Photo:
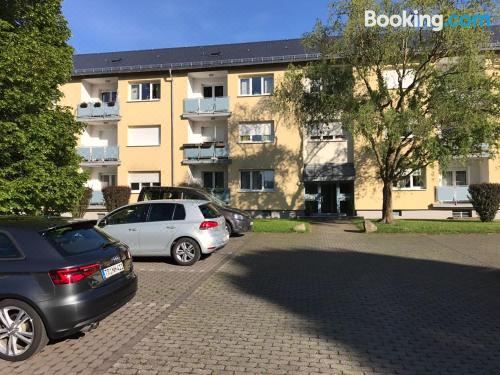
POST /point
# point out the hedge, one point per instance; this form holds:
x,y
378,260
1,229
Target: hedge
x,y
485,199
116,196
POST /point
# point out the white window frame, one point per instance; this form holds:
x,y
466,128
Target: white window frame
x,y
150,83
213,86
129,138
334,134
110,92
262,171
250,79
454,176
423,176
212,173
133,179
251,140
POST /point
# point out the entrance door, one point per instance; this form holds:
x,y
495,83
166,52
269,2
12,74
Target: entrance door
x,y
329,198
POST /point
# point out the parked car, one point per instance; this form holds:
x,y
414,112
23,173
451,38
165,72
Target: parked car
x,y
59,277
183,229
237,221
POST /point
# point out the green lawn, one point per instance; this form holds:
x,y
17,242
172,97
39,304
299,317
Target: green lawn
x,y
435,226
277,225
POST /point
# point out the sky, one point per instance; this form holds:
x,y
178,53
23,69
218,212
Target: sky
x,y
117,25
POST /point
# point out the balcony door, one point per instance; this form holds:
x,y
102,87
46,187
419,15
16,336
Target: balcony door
x,y
457,177
215,91
107,180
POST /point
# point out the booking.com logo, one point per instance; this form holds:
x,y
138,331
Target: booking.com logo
x,y
434,21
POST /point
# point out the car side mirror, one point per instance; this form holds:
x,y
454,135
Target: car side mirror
x,y
102,223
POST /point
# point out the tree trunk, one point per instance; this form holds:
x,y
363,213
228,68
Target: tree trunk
x,y
387,214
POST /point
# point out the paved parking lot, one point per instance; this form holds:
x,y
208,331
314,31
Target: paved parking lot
x,y
332,301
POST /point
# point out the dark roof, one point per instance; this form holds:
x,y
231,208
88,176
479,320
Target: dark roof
x,y
181,58
38,223
205,57
329,172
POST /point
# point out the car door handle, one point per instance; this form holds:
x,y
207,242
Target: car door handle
x,y
132,229
169,227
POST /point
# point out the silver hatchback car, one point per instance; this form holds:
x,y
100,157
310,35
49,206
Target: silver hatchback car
x,y
183,229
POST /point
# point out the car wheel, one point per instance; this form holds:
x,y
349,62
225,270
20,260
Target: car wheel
x,y
186,252
229,228
22,332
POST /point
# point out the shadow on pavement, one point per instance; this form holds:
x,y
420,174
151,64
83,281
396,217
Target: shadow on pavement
x,y
397,314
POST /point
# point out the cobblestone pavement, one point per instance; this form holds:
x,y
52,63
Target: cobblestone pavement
x,y
332,301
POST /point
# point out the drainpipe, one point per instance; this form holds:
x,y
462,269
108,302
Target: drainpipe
x,y
171,128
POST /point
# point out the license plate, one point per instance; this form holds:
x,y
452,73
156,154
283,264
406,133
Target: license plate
x,y
112,270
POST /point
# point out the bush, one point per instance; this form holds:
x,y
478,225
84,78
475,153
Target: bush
x,y
485,199
82,205
116,196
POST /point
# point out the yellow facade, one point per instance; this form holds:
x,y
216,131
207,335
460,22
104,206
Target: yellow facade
x,y
286,155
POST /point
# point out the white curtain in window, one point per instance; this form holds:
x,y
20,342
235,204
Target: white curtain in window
x,y
245,86
264,128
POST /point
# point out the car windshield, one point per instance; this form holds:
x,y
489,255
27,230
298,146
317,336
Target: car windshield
x,y
216,199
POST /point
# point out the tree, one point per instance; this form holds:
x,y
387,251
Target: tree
x,y
443,103
39,167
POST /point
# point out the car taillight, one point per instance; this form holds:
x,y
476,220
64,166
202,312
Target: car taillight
x,y
73,274
207,224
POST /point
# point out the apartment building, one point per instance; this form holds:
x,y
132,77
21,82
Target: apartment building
x,y
201,115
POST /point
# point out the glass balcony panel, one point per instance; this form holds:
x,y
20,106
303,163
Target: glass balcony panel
x,y
206,105
107,109
452,193
99,154
97,198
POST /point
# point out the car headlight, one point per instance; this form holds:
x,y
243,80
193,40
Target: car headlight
x,y
239,217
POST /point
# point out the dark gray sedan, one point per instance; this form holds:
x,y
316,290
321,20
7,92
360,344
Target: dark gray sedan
x,y
57,277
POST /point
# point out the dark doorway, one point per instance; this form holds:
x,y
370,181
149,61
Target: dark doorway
x,y
328,198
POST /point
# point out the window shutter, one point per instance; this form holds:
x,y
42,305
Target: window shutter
x,y
144,136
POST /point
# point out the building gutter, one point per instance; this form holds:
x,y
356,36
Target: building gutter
x,y
171,128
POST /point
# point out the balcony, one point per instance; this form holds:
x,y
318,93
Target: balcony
x,y
195,108
98,111
97,156
452,193
206,153
97,199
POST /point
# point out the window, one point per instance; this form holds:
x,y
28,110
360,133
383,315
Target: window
x,y
107,180
144,136
325,132
391,78
209,211
416,180
454,178
138,180
108,96
257,180
77,240
256,132
161,212
164,193
129,215
262,85
7,248
145,91
213,180
213,91
180,212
